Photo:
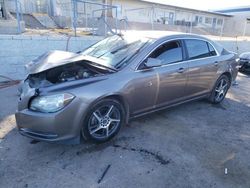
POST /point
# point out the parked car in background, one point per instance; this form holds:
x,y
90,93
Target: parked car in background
x,y
91,94
245,62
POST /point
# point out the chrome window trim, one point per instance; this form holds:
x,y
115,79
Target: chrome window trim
x,y
188,38
162,66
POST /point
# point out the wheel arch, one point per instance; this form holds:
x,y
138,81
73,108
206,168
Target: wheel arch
x,y
229,75
120,99
123,102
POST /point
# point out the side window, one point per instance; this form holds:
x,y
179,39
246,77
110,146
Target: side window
x,y
197,48
169,52
211,50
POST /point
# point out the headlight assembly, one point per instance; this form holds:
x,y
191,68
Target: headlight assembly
x,y
51,103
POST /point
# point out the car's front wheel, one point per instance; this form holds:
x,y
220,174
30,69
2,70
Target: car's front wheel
x,y
220,89
103,121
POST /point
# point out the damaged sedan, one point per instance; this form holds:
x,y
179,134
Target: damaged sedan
x,y
91,94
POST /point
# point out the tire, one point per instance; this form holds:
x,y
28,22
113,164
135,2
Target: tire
x,y
103,121
220,90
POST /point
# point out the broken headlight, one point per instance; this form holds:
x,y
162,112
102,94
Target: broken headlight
x,y
51,103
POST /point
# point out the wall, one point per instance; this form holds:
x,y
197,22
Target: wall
x,y
11,27
16,51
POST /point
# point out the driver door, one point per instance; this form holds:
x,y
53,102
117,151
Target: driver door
x,y
172,74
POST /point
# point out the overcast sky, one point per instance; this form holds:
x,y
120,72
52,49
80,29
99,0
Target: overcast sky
x,y
206,4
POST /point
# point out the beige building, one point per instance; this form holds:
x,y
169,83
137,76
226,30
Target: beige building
x,y
138,13
240,20
147,12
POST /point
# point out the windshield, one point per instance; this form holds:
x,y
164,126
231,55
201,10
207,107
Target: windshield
x,y
116,51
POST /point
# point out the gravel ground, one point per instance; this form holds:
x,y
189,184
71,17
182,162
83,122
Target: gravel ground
x,y
193,145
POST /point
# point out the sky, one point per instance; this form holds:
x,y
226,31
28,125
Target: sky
x,y
206,4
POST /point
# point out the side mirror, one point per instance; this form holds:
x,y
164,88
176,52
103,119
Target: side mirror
x,y
152,62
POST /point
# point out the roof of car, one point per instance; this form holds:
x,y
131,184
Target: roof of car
x,y
158,34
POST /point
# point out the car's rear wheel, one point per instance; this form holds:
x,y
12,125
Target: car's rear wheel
x,y
103,120
220,90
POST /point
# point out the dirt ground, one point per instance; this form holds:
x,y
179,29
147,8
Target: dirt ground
x,y
193,145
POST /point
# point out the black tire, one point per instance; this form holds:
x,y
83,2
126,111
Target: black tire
x,y
220,89
99,121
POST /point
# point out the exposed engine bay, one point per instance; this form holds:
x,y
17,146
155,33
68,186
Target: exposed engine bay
x,y
64,73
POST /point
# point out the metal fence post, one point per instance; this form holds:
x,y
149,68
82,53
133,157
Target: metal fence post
x,y
18,17
116,17
222,27
105,18
86,17
152,18
74,15
245,27
191,23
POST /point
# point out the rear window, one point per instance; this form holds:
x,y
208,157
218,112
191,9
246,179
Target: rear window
x,y
211,49
199,49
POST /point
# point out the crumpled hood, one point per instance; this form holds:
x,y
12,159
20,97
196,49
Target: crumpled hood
x,y
57,58
245,55
49,60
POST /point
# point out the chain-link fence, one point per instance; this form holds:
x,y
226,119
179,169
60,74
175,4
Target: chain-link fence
x,y
156,18
102,17
81,16
96,18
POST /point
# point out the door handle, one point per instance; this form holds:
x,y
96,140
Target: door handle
x,y
216,63
181,70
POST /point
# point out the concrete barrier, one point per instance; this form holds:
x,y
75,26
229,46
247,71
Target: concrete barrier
x,y
17,50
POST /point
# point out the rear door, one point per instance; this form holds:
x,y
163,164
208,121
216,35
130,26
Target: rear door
x,y
203,66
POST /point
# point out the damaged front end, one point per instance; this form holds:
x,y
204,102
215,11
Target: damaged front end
x,y
47,102
59,67
64,73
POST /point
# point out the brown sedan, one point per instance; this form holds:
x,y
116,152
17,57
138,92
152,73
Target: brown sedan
x,y
93,93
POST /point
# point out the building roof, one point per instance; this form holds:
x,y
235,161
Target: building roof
x,y
234,9
188,9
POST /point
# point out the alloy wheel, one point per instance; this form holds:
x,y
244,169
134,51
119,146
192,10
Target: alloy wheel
x,y
104,121
221,90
